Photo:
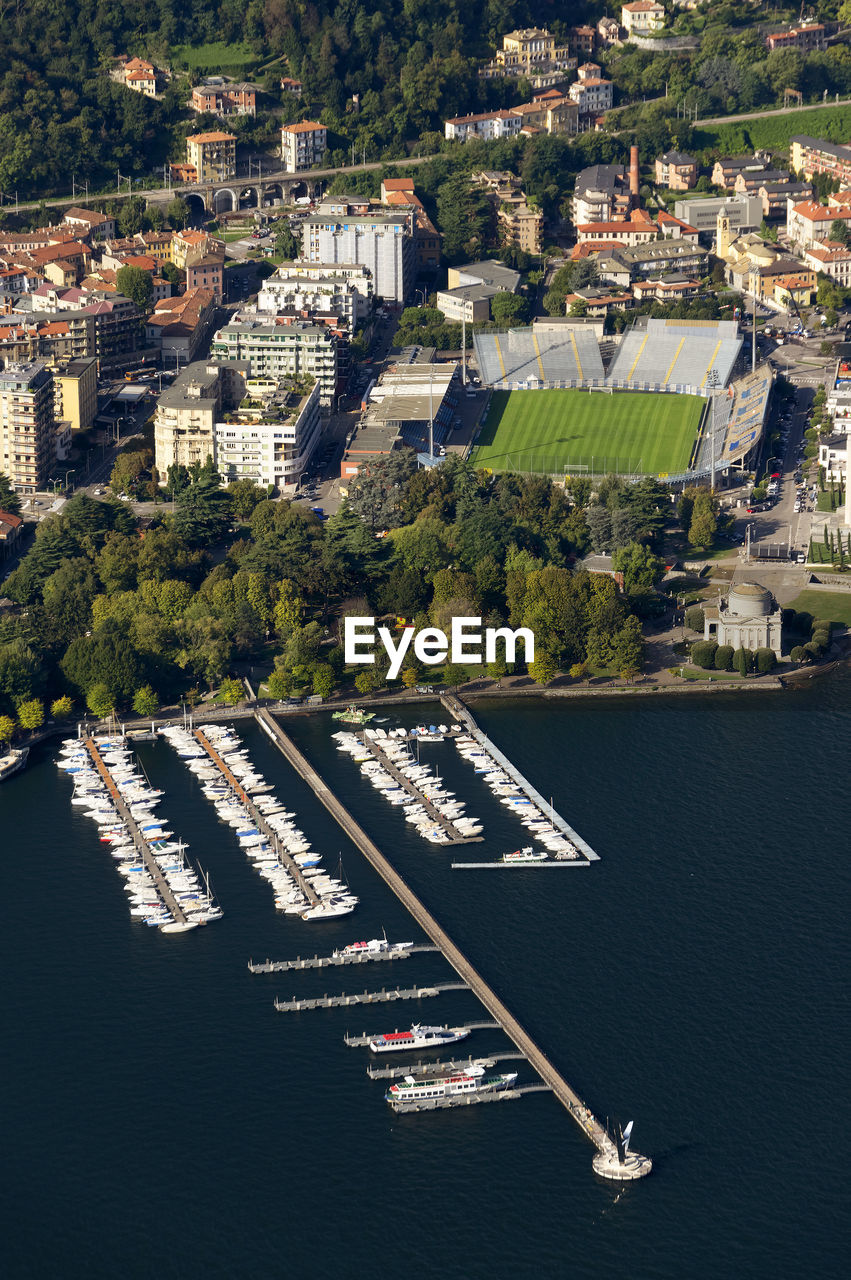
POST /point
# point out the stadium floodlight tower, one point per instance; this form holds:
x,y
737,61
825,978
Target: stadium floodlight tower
x,y
711,389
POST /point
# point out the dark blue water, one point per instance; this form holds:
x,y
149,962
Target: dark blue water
x,y
162,1119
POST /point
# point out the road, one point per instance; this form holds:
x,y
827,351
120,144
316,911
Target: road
x,y
779,111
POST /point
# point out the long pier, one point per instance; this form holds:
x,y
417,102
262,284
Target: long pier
x,y
460,713
139,841
483,866
368,997
607,1163
338,958
454,834
257,818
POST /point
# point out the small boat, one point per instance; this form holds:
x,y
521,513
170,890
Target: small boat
x,y
376,946
528,854
418,1037
354,715
13,761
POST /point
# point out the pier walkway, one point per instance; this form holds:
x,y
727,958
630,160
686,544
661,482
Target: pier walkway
x,y
368,997
257,818
140,843
455,836
460,713
338,958
607,1162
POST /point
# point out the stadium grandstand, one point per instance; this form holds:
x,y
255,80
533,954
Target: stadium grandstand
x,y
540,356
739,417
675,355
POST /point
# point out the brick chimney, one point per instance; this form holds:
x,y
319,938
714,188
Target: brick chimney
x,y
633,174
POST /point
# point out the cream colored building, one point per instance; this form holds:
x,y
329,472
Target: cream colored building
x,y
76,392
522,227
27,425
747,619
187,412
642,17
526,50
303,145
212,155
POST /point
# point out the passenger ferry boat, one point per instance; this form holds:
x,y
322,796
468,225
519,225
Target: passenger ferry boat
x,y
417,1038
412,1093
525,855
376,946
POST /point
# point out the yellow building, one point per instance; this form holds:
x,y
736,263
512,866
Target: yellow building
x,y
212,155
521,227
526,50
76,393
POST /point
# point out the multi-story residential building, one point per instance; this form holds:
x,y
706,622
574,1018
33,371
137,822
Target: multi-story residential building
x,y
141,76
810,35
521,226
832,259
470,302
220,97
486,125
623,265
591,95
27,425
552,113
212,155
581,40
750,180
601,194
809,156
11,529
808,223
271,435
281,351
676,171
775,196
76,392
66,336
728,168
294,87
608,31
187,412
177,326
670,288
190,246
118,328
744,212
334,292
381,241
207,273
90,224
356,275
642,17
303,145
490,272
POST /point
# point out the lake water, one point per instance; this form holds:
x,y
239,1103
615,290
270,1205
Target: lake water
x,y
162,1119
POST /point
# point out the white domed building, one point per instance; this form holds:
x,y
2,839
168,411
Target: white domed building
x,y
747,619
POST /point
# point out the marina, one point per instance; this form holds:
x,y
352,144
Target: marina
x,y
164,891
393,951
432,1068
368,997
611,1161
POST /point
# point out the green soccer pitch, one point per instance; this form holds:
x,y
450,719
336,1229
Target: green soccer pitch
x,y
577,431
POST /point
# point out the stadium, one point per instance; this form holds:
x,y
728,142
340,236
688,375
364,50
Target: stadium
x,y
662,400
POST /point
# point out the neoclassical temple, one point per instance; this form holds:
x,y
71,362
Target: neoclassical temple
x,y
747,619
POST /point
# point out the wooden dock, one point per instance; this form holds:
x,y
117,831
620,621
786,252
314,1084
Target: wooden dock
x,y
361,1041
368,997
338,958
454,834
608,1153
257,818
140,843
469,1099
441,1068
484,866
460,713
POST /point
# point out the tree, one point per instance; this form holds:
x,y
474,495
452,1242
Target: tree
x,y
61,708
9,500
543,668
694,618
136,284
798,655
838,231
410,677
765,660
578,670
100,701
703,653
742,661
145,702
178,212
628,648
508,308
286,245
245,495
454,674
203,511
704,523
174,275
7,728
365,681
31,714
231,691
278,685
324,680
724,657
497,670
640,568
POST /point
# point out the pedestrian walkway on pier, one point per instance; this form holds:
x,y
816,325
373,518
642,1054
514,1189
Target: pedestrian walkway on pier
x,y
455,836
338,958
368,997
608,1162
463,716
140,843
257,818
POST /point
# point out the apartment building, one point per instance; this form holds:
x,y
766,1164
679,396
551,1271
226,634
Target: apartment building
x,y
76,392
601,194
27,425
591,95
89,224
281,350
727,169
808,223
486,125
832,259
212,155
676,171
808,36
187,412
220,97
271,435
744,212
345,232
333,292
140,76
303,145
177,326
521,226
809,156
775,196
642,17
531,49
